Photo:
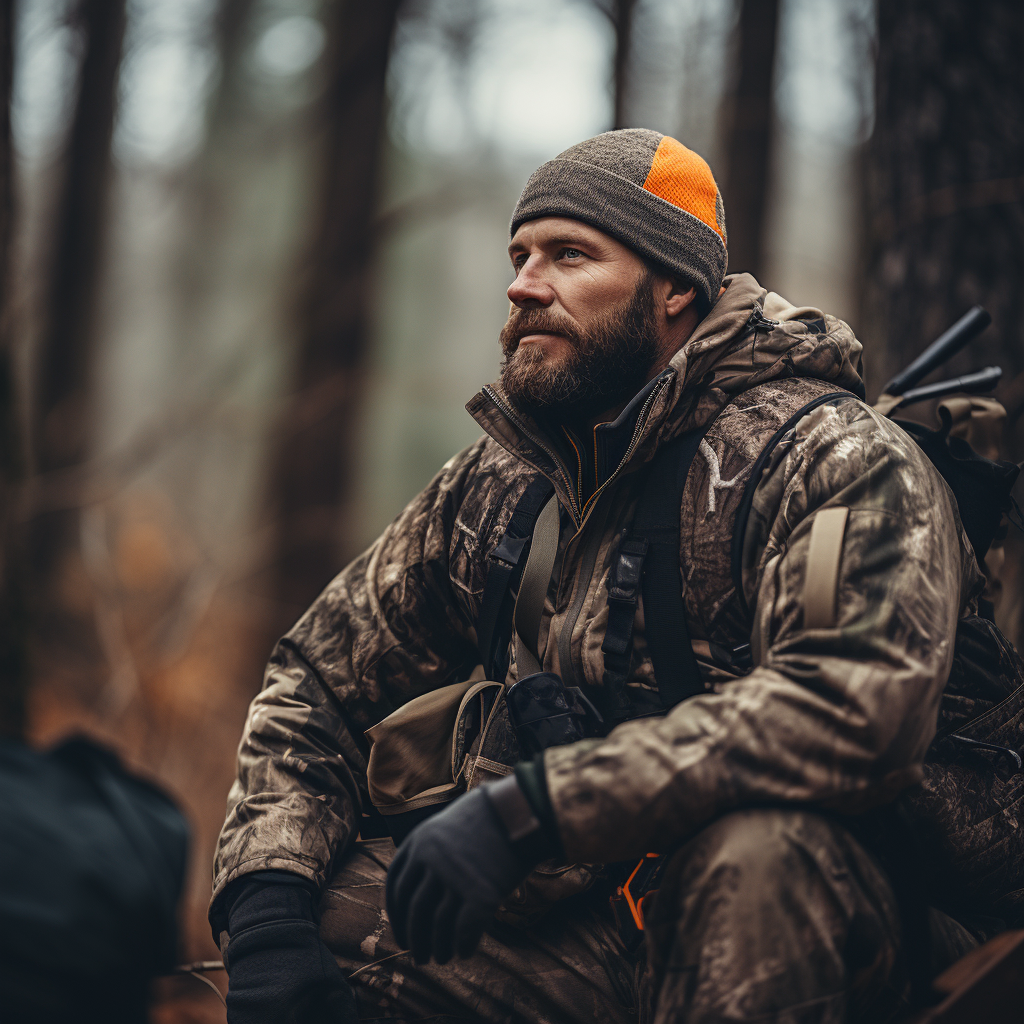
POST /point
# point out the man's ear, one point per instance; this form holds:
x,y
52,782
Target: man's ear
x,y
679,296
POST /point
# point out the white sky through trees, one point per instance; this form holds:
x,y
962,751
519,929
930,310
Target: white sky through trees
x,y
480,91
533,79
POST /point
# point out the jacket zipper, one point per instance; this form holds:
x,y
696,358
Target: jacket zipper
x,y
641,422
509,414
589,559
590,556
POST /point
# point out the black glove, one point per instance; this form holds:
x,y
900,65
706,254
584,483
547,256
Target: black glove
x,y
279,972
454,869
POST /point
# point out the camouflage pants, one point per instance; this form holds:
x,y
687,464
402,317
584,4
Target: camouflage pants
x,y
766,915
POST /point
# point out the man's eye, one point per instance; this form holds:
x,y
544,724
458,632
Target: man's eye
x,y
571,253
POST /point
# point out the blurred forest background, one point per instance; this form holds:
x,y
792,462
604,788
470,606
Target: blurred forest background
x,y
252,265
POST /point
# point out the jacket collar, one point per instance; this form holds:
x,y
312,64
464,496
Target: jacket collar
x,y
749,337
595,455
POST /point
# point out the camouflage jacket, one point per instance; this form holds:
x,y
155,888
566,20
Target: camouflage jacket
x,y
837,717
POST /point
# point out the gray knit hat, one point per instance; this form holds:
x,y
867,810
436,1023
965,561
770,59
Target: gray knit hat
x,y
643,188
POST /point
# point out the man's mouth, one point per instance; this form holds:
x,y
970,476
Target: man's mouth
x,y
535,336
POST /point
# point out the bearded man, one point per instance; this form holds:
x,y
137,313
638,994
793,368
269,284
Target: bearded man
x,y
819,673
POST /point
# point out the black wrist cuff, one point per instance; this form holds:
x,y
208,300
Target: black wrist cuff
x,y
533,781
263,895
526,834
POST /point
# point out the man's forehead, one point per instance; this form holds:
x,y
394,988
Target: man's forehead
x,y
549,229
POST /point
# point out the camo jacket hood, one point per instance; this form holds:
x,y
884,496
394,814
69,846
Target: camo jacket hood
x,y
838,717
749,338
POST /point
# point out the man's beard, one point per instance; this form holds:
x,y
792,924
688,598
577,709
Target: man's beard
x,y
607,364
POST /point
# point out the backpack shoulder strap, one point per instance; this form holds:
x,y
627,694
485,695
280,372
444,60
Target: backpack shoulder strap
x,y
648,562
504,568
657,522
533,589
746,501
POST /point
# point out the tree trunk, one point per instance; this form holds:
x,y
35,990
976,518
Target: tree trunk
x,y
622,14
311,475
946,180
232,23
945,193
750,129
13,672
66,635
65,355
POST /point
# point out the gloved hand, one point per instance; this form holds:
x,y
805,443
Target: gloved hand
x,y
279,972
454,869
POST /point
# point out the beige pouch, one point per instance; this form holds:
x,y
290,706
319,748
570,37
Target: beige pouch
x,y
444,742
432,749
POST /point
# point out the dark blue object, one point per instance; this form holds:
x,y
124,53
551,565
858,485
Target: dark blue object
x,y
92,861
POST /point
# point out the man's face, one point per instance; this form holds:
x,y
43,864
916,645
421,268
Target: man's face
x,y
582,335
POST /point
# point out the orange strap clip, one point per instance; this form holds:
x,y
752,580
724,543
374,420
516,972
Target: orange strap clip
x,y
636,906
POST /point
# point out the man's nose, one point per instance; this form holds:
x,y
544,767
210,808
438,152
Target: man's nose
x,y
531,289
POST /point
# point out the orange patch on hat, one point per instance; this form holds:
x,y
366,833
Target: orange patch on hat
x,y
682,178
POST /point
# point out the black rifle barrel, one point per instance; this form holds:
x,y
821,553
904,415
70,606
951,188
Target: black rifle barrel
x,y
945,346
973,383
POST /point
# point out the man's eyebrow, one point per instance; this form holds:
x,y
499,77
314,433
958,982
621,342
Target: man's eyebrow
x,y
570,241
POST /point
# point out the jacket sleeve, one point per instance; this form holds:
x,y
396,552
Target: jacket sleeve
x,y
836,717
389,627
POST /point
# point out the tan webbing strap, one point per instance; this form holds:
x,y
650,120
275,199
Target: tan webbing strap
x,y
887,403
822,575
540,562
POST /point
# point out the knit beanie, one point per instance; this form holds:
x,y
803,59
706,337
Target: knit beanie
x,y
645,189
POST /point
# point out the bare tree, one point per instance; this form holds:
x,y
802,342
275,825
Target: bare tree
x,y
212,179
231,25
945,195
62,415
13,672
65,353
311,474
750,128
621,17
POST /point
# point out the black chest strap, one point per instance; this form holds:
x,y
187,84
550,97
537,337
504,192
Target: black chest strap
x,y
649,562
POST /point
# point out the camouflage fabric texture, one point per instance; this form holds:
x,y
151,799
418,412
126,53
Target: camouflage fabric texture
x,y
727,940
838,718
571,967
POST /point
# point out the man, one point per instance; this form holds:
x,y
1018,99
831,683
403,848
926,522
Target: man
x,y
776,903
